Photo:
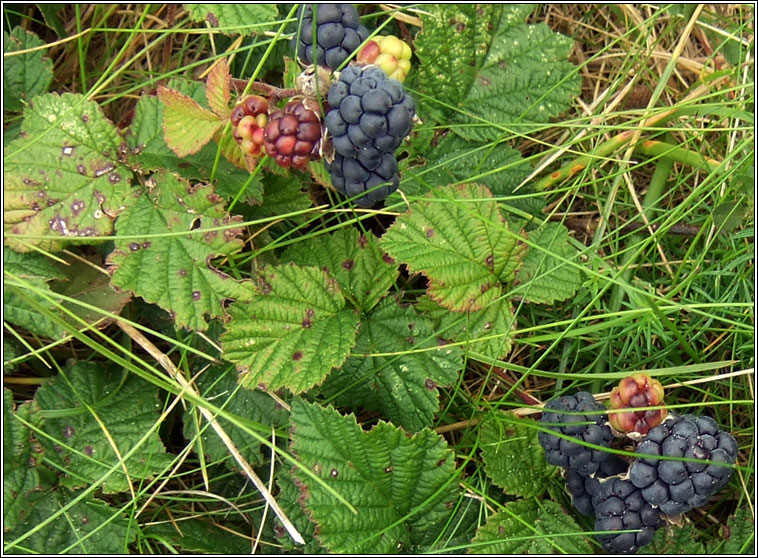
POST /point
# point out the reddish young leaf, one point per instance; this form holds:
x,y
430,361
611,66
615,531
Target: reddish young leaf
x,y
187,126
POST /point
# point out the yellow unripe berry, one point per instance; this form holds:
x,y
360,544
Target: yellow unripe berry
x,y
387,63
389,53
391,45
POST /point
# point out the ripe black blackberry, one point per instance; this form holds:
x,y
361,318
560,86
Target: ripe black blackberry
x,y
351,178
369,114
338,33
586,421
675,486
584,488
619,506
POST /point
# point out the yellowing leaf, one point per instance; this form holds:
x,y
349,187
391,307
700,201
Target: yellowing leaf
x,y
187,126
217,89
63,182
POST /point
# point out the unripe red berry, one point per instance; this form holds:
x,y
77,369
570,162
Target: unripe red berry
x,y
293,135
638,390
248,119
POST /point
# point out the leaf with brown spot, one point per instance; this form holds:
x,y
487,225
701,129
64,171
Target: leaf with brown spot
x,y
45,194
470,248
176,271
276,348
488,331
353,259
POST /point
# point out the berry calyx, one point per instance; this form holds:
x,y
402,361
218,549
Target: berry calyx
x,y
638,390
293,135
248,119
391,54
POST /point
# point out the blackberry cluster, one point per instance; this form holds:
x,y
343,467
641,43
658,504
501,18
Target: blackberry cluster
x,y
637,496
585,421
368,118
675,486
619,506
292,135
338,33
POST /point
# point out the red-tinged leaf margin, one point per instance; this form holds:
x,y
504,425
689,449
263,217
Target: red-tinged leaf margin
x,y
187,126
217,89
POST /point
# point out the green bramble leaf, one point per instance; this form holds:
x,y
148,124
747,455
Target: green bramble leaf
x,y
452,46
31,264
77,280
527,527
455,160
22,456
401,387
513,457
148,152
738,534
354,259
230,19
289,499
457,237
24,75
217,89
187,126
683,540
88,285
400,485
199,536
34,270
293,332
62,177
89,409
89,526
502,76
252,407
488,331
175,271
544,276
